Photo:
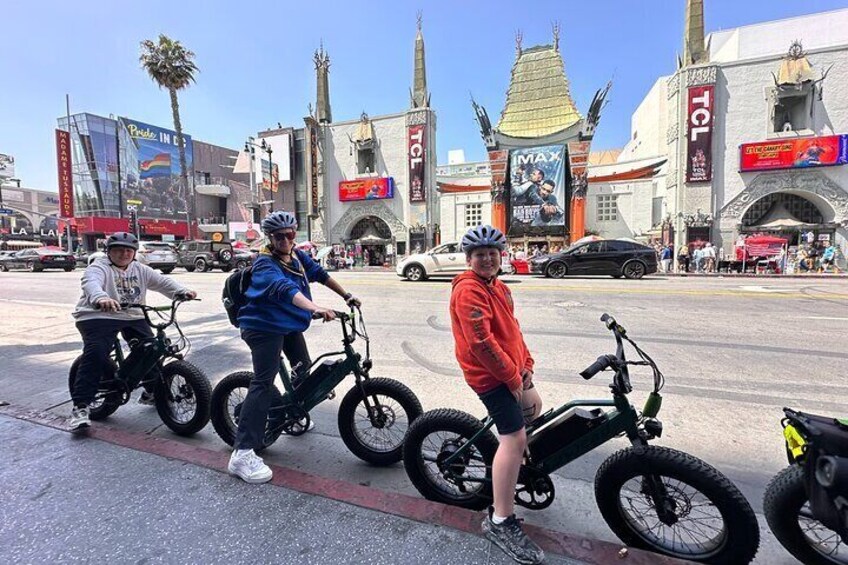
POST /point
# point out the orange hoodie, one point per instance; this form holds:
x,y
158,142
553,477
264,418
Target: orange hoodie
x,y
489,345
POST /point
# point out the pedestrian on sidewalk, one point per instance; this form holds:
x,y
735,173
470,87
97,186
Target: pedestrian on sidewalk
x,y
709,258
497,365
828,259
108,283
665,259
683,258
279,309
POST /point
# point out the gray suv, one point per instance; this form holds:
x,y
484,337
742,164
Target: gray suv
x,y
205,255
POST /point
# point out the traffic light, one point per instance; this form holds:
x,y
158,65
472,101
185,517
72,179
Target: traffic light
x,y
133,217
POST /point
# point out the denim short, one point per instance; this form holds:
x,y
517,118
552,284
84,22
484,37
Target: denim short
x,y
504,409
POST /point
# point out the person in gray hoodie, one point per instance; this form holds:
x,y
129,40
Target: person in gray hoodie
x,y
106,284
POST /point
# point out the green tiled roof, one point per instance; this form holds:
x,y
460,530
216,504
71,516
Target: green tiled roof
x,y
538,102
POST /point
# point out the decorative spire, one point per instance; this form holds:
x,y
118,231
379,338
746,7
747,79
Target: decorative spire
x,y
322,71
693,38
518,38
556,30
420,96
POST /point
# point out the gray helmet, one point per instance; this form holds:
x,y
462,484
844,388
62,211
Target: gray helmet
x,y
278,220
122,239
483,236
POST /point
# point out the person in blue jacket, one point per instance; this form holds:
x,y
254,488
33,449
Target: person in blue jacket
x,y
279,309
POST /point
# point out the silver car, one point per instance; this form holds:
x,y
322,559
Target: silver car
x,y
157,255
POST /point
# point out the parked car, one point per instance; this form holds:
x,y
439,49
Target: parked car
x,y
205,255
243,258
39,259
613,257
157,255
444,260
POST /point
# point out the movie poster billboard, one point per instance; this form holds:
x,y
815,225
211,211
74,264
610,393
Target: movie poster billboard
x,y
417,144
794,153
537,187
578,163
699,162
366,189
155,179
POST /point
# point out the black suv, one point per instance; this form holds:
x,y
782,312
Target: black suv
x,y
205,255
612,257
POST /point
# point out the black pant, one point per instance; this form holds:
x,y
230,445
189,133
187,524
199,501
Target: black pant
x,y
265,349
98,336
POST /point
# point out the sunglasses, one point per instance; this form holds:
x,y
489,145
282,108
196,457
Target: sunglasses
x,y
288,235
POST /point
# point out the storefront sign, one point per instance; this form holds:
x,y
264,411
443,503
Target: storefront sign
x,y
244,231
417,155
794,153
537,189
66,184
367,189
699,162
313,166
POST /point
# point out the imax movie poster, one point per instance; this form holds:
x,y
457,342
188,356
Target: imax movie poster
x,y
154,179
537,187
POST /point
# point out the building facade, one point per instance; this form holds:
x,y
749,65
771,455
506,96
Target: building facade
x,y
370,182
747,136
33,220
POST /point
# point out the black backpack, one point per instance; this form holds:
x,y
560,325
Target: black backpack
x,y
233,296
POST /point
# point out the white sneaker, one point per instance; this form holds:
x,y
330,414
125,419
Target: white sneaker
x,y
249,467
79,418
308,429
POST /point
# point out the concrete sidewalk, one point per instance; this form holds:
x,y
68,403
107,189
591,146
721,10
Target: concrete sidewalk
x,y
136,498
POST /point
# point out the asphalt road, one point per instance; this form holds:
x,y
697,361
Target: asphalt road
x,y
734,351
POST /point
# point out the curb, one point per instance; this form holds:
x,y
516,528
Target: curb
x,y
572,546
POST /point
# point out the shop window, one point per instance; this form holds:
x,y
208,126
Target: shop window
x,y
607,208
791,109
473,215
365,161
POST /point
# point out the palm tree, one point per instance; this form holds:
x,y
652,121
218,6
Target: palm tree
x,y
172,66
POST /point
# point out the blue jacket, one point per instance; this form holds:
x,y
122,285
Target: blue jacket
x,y
269,305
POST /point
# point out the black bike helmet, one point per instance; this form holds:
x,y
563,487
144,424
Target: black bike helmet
x,y
278,220
483,236
122,239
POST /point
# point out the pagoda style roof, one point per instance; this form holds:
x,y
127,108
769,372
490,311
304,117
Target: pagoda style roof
x,y
538,102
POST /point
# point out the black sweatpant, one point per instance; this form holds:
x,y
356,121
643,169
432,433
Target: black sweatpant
x,y
265,350
98,336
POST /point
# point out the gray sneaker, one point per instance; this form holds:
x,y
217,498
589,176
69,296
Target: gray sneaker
x,y
509,536
79,418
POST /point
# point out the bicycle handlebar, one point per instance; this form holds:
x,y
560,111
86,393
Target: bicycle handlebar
x,y
601,364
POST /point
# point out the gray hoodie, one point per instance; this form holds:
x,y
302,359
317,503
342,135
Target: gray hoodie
x,y
102,280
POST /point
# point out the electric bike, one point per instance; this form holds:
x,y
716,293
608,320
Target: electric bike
x,y
653,498
373,416
181,391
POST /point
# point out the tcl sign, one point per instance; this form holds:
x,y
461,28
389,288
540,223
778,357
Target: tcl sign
x,y
699,162
417,150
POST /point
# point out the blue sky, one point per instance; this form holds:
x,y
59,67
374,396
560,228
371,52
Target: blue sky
x,y
256,68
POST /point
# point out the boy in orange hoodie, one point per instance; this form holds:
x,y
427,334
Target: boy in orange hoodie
x,y
498,367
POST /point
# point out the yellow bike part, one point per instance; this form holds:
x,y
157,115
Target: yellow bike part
x,y
795,442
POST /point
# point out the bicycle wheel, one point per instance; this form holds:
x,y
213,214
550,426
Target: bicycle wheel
x,y
434,437
227,399
787,509
105,403
713,523
182,398
397,407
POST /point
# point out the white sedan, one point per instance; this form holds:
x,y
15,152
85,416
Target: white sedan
x,y
444,260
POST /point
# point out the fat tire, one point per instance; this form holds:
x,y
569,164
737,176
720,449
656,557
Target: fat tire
x,y
105,409
201,389
742,531
221,422
784,497
454,421
395,390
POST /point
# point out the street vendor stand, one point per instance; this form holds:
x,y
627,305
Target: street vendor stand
x,y
762,252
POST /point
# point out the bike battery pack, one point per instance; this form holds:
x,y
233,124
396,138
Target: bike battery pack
x,y
317,378
557,434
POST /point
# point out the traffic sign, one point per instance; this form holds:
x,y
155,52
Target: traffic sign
x,y
6,211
